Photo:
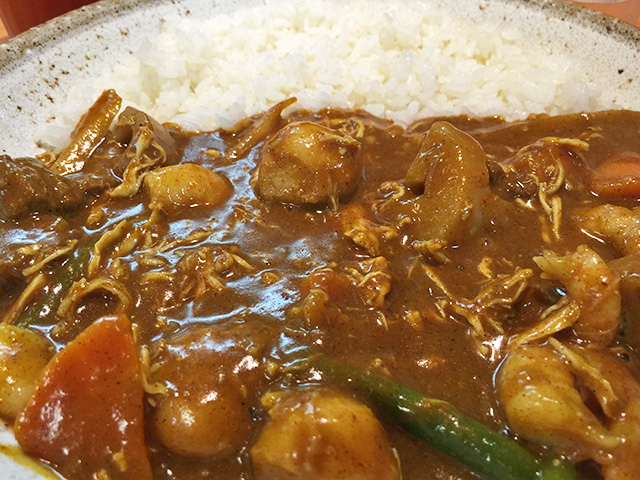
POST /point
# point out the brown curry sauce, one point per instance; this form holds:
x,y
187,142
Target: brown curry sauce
x,y
271,257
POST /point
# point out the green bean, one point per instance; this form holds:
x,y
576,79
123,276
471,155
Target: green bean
x,y
44,310
557,468
482,450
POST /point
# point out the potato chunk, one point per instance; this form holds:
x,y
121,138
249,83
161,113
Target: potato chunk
x,y
184,186
206,410
306,163
322,435
23,356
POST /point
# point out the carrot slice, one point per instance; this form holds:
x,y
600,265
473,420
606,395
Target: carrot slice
x,y
618,177
86,416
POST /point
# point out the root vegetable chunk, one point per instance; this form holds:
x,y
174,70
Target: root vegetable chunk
x,y
86,415
618,177
206,411
451,173
185,186
322,435
23,357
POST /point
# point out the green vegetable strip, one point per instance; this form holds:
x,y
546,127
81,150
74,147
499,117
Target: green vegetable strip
x,y
440,424
557,468
43,311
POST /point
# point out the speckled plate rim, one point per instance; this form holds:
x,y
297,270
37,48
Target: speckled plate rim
x,y
108,9
38,68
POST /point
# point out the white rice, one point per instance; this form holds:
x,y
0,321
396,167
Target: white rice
x,y
401,60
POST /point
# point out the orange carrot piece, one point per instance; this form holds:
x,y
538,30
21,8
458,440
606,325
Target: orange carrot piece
x,y
618,177
86,416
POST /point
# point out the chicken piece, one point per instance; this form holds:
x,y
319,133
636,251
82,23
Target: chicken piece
x,y
135,144
545,392
617,224
536,388
364,232
509,183
324,291
546,163
209,377
321,435
628,268
624,416
306,163
27,187
561,315
593,286
23,357
132,122
451,172
181,187
338,287
540,170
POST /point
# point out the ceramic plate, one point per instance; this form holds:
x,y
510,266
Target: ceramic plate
x,y
40,67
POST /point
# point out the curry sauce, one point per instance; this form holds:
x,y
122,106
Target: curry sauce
x,y
491,265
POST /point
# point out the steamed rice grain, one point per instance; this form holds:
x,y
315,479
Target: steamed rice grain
x,y
399,60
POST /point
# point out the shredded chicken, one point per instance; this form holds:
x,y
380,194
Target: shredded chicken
x,y
351,127
107,239
488,307
432,249
373,280
22,301
196,273
542,163
593,285
140,163
492,302
556,318
71,244
201,272
391,192
414,318
193,238
152,388
83,287
364,232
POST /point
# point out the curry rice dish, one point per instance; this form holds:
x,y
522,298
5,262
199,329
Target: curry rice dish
x,y
325,295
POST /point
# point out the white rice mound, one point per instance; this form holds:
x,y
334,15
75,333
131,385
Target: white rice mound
x,y
400,60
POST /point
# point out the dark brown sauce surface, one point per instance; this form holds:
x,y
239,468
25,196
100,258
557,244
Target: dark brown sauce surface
x,y
291,250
